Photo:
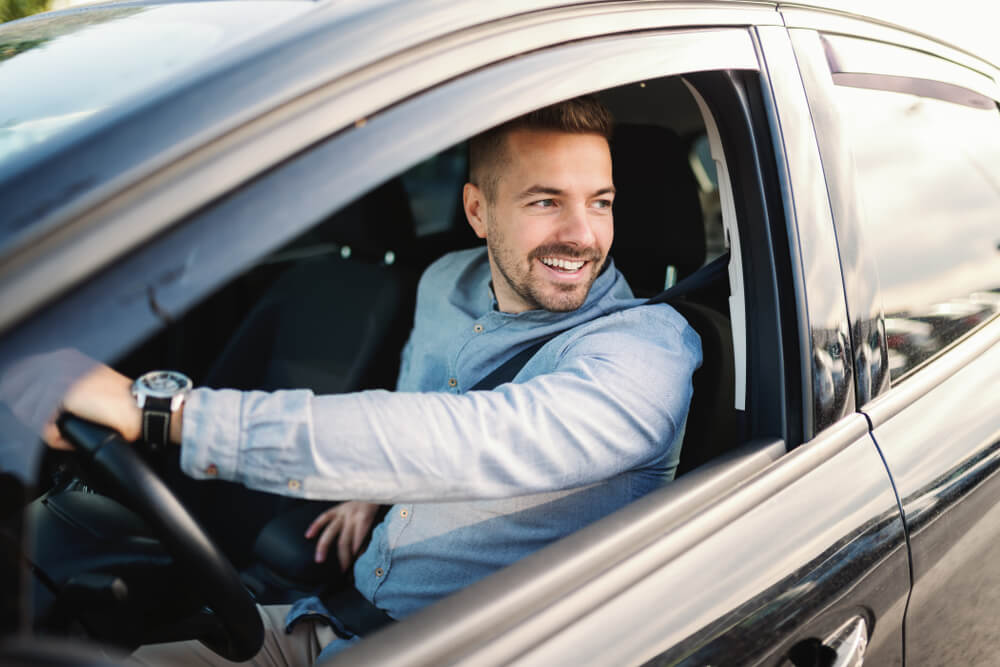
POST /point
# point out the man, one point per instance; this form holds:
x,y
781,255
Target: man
x,y
478,478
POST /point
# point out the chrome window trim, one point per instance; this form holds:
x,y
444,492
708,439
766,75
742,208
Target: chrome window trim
x,y
926,377
833,22
853,55
135,207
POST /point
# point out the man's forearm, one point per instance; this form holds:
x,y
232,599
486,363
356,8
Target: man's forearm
x,y
556,431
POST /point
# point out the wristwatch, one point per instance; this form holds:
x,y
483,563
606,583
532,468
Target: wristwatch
x,y
159,394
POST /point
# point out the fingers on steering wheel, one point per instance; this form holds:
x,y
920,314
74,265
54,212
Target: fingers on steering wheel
x,y
52,436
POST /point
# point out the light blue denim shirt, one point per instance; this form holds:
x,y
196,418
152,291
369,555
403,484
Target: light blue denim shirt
x,y
477,479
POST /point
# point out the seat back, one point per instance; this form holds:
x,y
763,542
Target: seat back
x,y
658,217
336,322
658,224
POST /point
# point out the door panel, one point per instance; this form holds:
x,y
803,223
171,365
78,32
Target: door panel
x,y
943,448
810,547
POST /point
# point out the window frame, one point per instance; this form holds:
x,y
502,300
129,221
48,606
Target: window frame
x,y
155,284
815,50
163,279
128,183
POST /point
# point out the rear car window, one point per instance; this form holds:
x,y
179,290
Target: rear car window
x,y
928,180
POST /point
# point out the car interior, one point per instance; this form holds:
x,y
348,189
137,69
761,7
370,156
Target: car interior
x,y
331,311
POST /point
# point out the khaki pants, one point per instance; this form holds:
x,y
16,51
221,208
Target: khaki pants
x,y
298,649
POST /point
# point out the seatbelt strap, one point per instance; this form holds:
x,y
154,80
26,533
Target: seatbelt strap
x,y
700,279
355,612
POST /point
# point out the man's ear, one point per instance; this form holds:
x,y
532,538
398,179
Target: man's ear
x,y
475,209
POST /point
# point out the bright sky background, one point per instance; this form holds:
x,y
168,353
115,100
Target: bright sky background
x,y
974,24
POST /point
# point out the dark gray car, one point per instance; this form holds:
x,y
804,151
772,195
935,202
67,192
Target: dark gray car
x,y
180,181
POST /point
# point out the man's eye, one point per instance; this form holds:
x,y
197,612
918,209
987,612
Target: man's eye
x,y
602,203
544,203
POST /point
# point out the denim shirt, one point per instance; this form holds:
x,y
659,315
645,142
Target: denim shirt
x,y
477,479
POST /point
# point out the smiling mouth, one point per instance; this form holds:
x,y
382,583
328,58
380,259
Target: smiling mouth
x,y
563,265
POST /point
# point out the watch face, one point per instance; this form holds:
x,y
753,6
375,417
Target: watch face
x,y
164,383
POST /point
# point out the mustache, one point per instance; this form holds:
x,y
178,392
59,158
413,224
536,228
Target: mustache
x,y
565,251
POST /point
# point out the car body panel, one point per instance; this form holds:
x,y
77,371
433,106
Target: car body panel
x,y
114,189
771,548
828,388
870,354
693,566
940,434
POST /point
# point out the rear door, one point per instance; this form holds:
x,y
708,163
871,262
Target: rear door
x,y
914,142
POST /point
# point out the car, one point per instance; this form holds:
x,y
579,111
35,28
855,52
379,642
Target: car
x,y
181,182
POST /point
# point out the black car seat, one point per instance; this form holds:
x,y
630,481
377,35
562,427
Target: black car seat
x,y
336,322
333,322
659,224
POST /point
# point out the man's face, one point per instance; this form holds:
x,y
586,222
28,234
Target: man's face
x,y
550,227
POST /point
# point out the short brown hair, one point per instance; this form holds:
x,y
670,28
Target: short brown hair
x,y
488,150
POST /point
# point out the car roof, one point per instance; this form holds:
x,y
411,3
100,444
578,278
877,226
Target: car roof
x,y
98,61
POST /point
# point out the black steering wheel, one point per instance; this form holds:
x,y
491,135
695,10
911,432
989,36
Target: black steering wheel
x,y
112,461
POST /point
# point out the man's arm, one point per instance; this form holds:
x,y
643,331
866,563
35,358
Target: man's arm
x,y
614,402
103,395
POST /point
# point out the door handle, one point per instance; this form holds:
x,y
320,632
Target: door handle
x,y
844,647
849,642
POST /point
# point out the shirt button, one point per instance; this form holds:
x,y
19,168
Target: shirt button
x,y
294,484
379,572
404,513
211,469
478,328
452,382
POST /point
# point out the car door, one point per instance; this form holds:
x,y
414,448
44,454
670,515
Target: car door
x,y
788,547
919,137
764,556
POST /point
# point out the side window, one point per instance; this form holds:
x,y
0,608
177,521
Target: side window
x,y
926,155
434,188
704,170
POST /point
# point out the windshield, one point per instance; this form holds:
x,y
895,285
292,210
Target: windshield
x,y
59,71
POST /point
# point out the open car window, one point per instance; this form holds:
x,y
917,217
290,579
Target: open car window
x,y
306,278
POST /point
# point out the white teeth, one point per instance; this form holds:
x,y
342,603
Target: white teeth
x,y
563,264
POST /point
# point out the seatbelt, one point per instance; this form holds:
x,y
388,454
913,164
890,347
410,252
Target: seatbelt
x,y
354,610
698,280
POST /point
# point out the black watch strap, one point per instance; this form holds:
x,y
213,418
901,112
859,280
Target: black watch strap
x,y
156,422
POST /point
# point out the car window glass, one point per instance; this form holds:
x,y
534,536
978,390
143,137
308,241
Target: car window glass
x,y
704,169
927,178
434,187
80,66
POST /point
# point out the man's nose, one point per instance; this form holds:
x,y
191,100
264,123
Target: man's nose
x,y
576,227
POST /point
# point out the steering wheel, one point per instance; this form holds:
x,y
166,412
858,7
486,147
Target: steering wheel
x,y
112,461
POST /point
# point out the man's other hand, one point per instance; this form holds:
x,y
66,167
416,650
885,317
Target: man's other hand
x,y
349,522
103,396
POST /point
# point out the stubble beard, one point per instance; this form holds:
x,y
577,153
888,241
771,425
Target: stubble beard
x,y
532,287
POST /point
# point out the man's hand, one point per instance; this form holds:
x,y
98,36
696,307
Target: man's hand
x,y
351,521
103,396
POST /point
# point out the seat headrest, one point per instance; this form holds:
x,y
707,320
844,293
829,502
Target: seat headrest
x,y
657,211
381,220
